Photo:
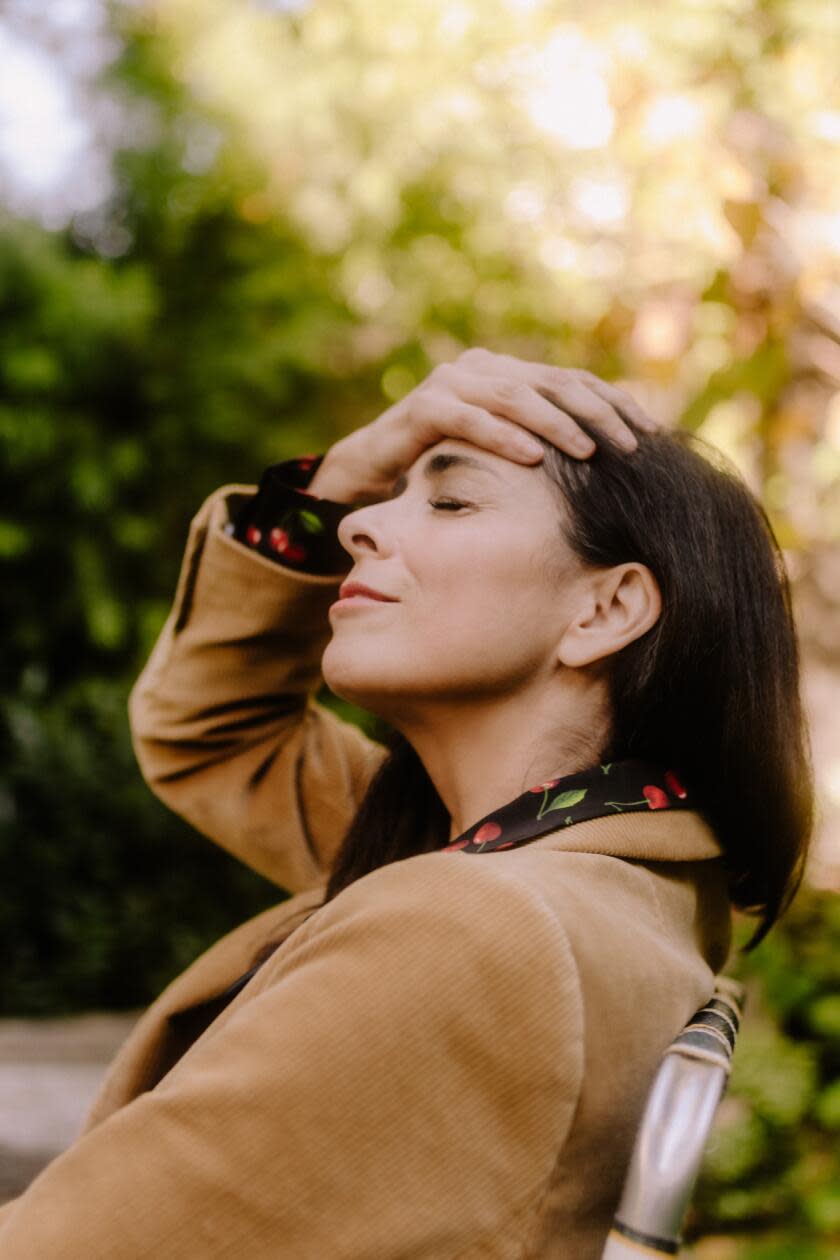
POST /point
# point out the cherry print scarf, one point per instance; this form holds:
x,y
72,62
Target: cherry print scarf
x,y
618,787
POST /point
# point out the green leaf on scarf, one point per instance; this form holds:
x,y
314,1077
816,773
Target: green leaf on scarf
x,y
566,799
311,521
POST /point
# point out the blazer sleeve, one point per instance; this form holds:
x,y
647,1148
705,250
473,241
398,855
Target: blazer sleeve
x,y
224,723
399,1083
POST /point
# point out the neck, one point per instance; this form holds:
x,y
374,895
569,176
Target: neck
x,y
482,754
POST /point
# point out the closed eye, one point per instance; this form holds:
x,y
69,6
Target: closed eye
x,y
451,505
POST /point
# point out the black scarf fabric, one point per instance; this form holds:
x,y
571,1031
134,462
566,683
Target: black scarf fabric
x,y
285,523
621,787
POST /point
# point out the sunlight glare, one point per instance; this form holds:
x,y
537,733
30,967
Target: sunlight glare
x,y
601,202
670,118
566,94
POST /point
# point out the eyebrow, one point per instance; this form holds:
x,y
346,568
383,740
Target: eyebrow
x,y
439,464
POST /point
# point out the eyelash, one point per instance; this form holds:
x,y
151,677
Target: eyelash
x,y
450,504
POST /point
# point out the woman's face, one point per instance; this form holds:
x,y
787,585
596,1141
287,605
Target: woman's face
x,y
469,545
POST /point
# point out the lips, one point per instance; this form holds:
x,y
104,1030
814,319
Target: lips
x,y
358,588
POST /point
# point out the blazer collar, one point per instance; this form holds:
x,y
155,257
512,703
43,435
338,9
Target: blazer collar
x,y
639,837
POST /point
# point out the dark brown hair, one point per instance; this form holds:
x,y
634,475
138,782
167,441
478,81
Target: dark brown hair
x,y
712,688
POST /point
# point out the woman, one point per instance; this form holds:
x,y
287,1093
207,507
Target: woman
x,y
440,1045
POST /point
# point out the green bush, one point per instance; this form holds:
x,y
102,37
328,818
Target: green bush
x,y
98,909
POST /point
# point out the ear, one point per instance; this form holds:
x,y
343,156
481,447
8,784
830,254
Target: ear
x,y
616,606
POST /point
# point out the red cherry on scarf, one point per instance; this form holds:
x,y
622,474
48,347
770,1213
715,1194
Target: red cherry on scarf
x,y
673,784
278,539
655,797
295,552
488,831
253,535
541,787
456,844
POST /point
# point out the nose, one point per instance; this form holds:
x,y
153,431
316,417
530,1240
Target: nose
x,y
361,531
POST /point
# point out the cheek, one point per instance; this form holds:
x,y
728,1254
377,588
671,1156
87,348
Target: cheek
x,y
482,602
461,647
477,610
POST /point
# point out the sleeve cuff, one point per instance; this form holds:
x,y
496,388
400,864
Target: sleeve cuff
x,y
284,522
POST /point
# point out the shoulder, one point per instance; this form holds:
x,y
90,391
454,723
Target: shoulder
x,y
447,901
460,945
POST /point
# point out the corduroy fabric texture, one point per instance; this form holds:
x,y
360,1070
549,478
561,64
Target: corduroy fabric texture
x,y
447,1061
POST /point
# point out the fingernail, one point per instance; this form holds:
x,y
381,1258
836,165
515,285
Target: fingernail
x,y
584,445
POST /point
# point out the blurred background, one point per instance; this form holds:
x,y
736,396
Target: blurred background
x,y
231,231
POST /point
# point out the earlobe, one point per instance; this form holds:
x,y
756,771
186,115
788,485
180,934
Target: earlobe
x,y
622,604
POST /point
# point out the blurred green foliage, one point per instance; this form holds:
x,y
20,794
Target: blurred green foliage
x,y
98,908
307,220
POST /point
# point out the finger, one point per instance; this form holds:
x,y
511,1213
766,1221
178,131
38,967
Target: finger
x,y
621,400
577,392
437,415
529,408
525,369
580,400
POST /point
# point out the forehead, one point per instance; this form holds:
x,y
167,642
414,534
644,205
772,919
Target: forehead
x,y
463,456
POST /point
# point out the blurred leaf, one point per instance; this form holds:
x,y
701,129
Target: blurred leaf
x,y
824,1016
14,540
828,1106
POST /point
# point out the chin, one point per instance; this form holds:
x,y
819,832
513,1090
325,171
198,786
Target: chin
x,y
343,673
358,681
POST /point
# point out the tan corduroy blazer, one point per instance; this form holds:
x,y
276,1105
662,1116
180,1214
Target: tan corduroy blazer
x,y
447,1061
